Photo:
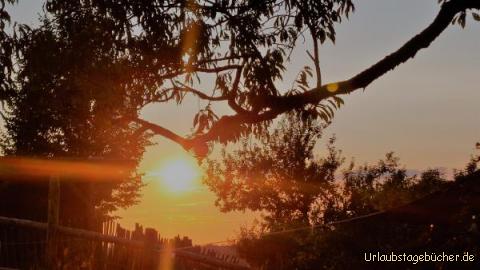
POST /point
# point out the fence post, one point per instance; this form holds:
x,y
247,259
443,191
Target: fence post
x,y
151,240
53,217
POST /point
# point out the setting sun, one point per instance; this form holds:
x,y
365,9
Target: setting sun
x,y
239,135
179,175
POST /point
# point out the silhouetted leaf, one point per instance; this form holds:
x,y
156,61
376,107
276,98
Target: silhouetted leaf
x,y
476,16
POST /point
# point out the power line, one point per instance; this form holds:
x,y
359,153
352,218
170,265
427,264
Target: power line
x,y
302,228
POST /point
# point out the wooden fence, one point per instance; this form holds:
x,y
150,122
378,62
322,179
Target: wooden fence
x,y
24,245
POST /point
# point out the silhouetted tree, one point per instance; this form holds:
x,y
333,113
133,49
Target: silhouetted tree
x,y
70,87
6,51
279,176
241,46
343,246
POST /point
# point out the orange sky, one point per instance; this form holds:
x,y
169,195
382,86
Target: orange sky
x,y
426,110
178,211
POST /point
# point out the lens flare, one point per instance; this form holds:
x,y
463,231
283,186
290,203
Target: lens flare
x,y
22,168
332,87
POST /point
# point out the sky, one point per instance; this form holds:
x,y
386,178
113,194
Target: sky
x,y
426,110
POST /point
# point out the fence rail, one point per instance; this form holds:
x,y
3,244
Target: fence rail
x,y
23,245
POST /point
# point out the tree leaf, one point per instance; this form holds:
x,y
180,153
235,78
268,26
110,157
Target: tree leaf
x,y
476,16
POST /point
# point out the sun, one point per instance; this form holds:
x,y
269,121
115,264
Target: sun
x,y
179,175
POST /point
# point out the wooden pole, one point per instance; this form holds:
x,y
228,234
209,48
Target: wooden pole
x,y
52,222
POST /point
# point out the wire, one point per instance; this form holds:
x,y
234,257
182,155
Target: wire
x,y
333,223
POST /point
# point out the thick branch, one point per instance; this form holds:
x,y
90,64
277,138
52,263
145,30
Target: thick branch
x,y
276,105
159,130
282,104
363,79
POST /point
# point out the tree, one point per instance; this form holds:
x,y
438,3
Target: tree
x,y
69,88
278,174
6,50
243,46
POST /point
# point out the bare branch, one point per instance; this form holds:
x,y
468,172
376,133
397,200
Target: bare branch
x,y
190,69
225,58
212,69
316,59
200,94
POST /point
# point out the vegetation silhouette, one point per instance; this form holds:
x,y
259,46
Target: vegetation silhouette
x,y
74,85
279,176
55,112
165,49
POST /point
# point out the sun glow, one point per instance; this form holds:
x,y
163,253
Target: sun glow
x,y
179,175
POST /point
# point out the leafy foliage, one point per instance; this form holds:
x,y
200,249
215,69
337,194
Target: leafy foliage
x,y
164,45
110,59
6,51
279,177
168,48
70,88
